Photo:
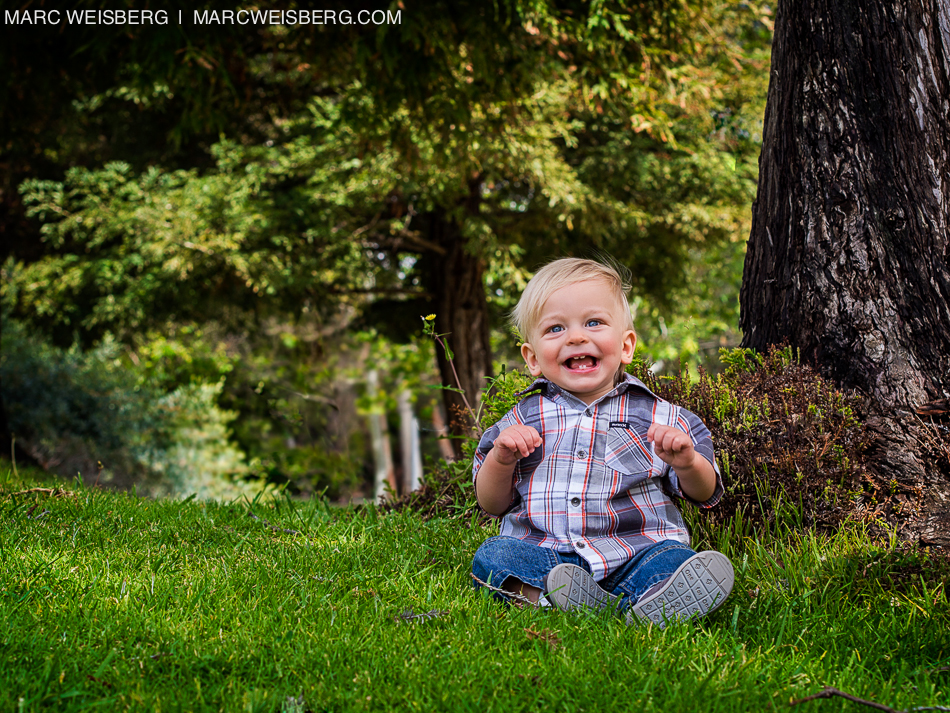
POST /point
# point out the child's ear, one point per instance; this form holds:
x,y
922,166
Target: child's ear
x,y
628,346
531,359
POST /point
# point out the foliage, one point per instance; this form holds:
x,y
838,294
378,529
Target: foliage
x,y
790,445
428,329
67,404
501,394
189,449
446,491
701,322
166,246
178,354
114,601
354,176
292,392
303,400
92,413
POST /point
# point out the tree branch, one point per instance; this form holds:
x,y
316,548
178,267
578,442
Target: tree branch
x,y
829,692
412,239
378,291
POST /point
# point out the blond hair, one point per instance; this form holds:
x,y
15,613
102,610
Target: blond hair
x,y
561,273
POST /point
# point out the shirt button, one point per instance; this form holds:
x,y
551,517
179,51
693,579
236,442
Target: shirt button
x,y
581,454
579,545
575,501
587,412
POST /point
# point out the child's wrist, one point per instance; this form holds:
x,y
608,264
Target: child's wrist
x,y
496,456
695,464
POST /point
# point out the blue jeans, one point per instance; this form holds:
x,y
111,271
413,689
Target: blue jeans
x,y
501,557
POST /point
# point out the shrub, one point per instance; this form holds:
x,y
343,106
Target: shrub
x,y
189,448
91,413
789,443
71,410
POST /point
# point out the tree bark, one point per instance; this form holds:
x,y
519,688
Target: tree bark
x,y
848,255
456,281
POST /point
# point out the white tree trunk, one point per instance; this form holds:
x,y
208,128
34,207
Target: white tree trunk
x,y
409,440
379,433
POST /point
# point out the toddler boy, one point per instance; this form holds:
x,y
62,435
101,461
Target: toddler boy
x,y
582,469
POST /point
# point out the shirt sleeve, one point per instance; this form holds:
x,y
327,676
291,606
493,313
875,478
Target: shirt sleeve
x,y
693,426
486,443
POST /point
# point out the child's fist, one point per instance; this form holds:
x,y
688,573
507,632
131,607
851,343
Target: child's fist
x,y
514,443
672,445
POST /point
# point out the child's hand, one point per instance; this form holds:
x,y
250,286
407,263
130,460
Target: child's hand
x,y
672,445
514,443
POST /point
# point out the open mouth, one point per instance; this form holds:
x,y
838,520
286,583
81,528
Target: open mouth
x,y
584,362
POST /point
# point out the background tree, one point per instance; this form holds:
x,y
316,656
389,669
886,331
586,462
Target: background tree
x,y
847,259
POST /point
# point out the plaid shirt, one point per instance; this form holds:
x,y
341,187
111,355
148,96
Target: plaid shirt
x,y
594,486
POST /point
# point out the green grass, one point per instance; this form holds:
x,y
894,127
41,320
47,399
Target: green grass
x,y
111,601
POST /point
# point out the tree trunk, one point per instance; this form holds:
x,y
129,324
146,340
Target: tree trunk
x,y
848,255
456,281
382,448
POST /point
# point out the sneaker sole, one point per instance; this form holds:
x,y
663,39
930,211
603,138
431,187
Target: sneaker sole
x,y
571,587
699,587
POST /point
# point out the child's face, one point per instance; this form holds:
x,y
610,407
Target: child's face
x,y
580,340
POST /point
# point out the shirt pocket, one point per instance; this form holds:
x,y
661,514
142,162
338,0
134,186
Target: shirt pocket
x,y
628,453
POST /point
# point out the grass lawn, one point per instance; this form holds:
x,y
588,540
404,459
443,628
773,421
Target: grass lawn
x,y
115,602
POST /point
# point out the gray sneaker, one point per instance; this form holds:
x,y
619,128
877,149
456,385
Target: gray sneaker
x,y
570,587
698,587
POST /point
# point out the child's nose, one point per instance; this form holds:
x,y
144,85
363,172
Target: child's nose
x,y
576,335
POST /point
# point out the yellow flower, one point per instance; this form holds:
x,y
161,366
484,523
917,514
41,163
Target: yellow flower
x,y
429,317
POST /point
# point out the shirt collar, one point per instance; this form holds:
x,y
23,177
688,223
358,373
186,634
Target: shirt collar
x,y
550,389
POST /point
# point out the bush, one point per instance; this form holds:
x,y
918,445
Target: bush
x,y
91,413
789,443
71,409
189,445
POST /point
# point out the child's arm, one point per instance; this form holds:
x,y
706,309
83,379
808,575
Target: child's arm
x,y
696,475
493,483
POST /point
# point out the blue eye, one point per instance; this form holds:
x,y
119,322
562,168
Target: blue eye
x,y
593,323
555,328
